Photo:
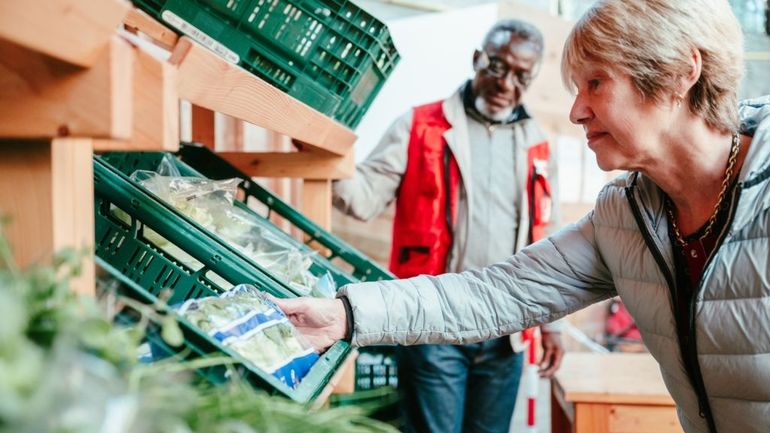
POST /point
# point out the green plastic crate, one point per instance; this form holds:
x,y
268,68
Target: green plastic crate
x,y
212,166
329,54
380,403
220,262
128,162
125,247
199,344
379,374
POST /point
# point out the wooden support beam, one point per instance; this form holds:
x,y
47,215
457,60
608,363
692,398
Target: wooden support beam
x,y
317,201
231,134
138,21
207,80
74,31
347,376
304,165
203,130
46,188
317,205
44,97
155,108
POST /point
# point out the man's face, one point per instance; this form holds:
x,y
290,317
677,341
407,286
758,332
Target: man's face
x,y
503,73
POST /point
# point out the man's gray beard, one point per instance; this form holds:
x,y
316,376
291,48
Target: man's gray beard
x,y
499,116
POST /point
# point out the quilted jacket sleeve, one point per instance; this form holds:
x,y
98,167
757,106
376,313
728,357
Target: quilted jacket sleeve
x,y
375,183
540,284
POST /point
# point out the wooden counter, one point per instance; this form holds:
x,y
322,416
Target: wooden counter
x,y
611,393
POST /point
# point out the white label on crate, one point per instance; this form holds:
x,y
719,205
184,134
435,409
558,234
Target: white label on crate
x,y
200,37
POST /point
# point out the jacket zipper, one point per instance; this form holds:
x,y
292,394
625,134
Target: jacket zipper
x,y
448,202
531,199
656,254
704,408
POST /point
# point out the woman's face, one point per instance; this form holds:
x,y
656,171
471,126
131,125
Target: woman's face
x,y
622,128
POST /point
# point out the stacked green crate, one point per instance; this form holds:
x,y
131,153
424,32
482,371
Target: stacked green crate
x,y
198,161
329,54
127,245
198,344
376,370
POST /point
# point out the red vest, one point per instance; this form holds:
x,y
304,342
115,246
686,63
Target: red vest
x,y
426,206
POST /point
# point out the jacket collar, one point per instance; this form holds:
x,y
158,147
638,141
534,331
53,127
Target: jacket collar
x,y
457,135
755,173
754,179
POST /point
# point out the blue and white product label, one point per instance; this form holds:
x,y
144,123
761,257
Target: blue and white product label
x,y
293,371
200,37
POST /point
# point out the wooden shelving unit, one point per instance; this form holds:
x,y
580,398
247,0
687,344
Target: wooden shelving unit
x,y
611,392
71,85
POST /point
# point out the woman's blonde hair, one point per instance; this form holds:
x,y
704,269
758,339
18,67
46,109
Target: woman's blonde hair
x,y
652,41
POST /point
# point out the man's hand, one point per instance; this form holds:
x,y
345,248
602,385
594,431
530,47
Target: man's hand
x,y
553,352
321,321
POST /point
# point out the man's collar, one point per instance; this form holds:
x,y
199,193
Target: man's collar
x,y
519,112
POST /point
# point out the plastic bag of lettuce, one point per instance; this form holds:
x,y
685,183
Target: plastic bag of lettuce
x,y
210,203
245,320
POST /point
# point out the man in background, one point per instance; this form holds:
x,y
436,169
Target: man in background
x,y
472,178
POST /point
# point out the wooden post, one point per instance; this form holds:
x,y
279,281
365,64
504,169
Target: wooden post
x,y
46,188
203,126
232,134
155,108
317,201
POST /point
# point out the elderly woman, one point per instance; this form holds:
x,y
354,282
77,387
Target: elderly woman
x,y
682,237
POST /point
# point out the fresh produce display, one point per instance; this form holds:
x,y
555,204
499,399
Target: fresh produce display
x,y
253,326
210,204
65,368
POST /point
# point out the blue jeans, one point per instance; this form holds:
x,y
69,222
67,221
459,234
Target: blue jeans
x,y
458,389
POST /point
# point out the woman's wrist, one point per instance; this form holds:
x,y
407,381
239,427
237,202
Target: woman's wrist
x,y
348,321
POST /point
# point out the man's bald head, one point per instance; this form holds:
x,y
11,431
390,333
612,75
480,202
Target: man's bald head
x,y
512,29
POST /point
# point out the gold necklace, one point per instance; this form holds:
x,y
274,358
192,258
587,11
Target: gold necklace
x,y
736,147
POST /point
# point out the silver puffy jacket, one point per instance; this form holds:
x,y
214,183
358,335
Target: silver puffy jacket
x,y
621,247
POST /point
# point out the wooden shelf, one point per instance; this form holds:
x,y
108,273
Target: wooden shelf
x,y
74,31
613,392
70,85
208,81
304,165
44,97
607,378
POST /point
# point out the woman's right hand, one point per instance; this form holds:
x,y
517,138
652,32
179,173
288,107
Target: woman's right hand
x,y
321,321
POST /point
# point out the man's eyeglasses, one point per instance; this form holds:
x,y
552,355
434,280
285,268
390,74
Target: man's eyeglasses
x,y
497,68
